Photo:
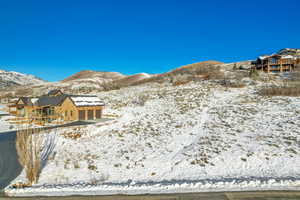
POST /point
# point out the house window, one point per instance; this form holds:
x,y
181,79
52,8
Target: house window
x,y
66,113
51,111
273,60
71,113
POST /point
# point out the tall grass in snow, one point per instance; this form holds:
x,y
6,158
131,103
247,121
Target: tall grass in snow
x,y
29,147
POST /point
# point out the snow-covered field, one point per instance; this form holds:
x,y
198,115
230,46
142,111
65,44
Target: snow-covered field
x,y
189,138
4,124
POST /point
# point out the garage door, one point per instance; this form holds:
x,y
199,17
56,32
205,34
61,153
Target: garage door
x,y
81,114
98,114
90,114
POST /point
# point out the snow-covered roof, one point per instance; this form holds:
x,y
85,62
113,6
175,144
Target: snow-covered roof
x,y
34,100
288,56
263,57
87,101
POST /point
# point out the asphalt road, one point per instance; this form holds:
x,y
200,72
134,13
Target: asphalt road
x,y
9,165
267,195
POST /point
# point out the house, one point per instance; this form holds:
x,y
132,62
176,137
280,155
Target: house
x,y
81,107
276,63
56,105
23,107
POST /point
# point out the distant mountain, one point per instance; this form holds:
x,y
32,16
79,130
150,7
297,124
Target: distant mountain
x,y
11,78
88,81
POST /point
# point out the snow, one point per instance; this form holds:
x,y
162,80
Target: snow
x,y
2,109
263,57
87,101
4,123
190,138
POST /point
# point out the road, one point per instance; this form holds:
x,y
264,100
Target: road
x,y
9,165
267,195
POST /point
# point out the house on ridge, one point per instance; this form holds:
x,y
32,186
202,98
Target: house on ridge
x,y
276,63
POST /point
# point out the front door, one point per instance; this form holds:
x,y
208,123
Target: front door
x,y
98,114
90,114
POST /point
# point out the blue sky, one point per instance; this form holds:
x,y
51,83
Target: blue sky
x,y
53,39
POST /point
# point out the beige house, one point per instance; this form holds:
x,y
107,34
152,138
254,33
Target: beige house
x,y
81,108
56,105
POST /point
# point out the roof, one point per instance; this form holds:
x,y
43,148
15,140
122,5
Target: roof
x,y
54,92
85,100
263,57
51,100
26,100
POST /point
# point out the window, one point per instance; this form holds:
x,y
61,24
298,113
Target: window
x,y
66,113
51,111
71,113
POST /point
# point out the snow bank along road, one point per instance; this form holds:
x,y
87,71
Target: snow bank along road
x,y
270,195
9,165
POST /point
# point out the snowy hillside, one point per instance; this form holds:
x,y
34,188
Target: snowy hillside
x,y
11,78
194,137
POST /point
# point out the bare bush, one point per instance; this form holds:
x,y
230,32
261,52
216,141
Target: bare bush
x,y
180,82
24,91
280,91
290,87
33,149
28,145
141,100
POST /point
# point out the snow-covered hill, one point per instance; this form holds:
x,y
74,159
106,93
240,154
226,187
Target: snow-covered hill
x,y
11,78
189,138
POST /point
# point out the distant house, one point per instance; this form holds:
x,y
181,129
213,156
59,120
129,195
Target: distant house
x,y
57,105
276,63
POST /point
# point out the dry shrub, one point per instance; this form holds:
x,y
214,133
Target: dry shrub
x,y
291,87
280,91
28,145
75,134
181,82
233,84
72,135
24,91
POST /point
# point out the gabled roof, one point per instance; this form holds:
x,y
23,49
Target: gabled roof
x,y
51,100
28,101
54,92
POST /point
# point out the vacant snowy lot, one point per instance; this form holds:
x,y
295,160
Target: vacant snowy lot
x,y
193,137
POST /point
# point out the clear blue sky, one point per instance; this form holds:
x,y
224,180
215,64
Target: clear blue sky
x,y
53,39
